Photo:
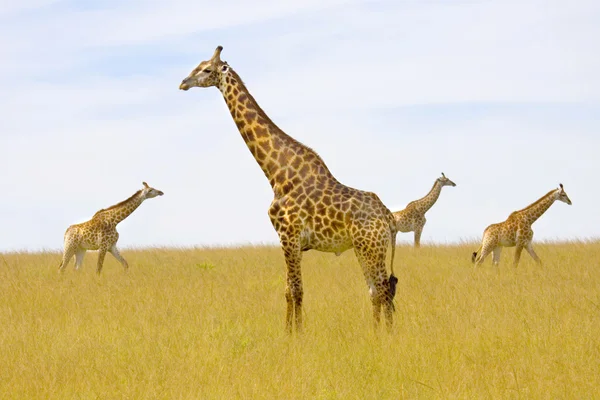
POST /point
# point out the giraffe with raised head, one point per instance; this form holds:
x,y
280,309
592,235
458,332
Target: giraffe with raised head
x,y
100,232
516,230
310,209
412,218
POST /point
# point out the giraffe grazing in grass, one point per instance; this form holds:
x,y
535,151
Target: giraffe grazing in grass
x,y
310,209
100,232
412,218
516,230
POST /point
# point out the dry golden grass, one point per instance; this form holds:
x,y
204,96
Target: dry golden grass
x,y
208,323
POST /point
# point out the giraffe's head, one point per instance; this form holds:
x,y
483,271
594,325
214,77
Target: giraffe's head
x,y
149,192
562,195
207,73
445,181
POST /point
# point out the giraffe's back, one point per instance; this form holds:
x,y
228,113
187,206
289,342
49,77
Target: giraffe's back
x,y
90,235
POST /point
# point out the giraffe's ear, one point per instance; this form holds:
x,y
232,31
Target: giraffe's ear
x,y
145,185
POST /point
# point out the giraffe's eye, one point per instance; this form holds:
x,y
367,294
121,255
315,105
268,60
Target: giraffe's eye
x,y
207,71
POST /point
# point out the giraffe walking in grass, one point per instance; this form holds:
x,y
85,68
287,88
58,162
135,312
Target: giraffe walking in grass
x,y
310,209
516,230
412,218
100,232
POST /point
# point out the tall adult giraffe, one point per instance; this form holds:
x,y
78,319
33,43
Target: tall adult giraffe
x,y
516,230
311,209
412,218
100,232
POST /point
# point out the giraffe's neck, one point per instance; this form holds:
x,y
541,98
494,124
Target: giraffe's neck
x,y
118,212
429,200
284,161
535,210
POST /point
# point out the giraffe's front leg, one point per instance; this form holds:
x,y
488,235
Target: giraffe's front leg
x,y
418,236
293,289
531,252
101,255
419,224
115,252
518,251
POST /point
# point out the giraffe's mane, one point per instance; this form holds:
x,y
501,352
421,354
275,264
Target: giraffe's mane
x,y
270,122
538,201
119,204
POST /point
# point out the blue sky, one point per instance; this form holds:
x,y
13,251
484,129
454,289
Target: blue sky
x,y
504,97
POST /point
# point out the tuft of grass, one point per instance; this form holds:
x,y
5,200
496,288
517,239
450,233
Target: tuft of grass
x,y
209,323
205,266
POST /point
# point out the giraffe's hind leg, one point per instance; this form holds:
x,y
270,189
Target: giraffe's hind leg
x,y
486,249
373,264
79,255
496,253
68,253
518,251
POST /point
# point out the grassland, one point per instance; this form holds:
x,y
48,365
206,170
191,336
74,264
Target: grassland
x,y
208,323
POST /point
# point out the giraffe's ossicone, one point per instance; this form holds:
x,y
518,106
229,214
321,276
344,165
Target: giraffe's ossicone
x,y
100,232
516,230
310,209
412,218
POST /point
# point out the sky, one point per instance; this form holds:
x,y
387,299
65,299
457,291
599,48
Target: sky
x,y
501,96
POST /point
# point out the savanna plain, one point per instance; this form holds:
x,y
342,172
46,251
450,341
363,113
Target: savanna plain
x,y
209,324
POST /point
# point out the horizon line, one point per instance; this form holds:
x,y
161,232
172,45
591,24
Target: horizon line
x,y
459,243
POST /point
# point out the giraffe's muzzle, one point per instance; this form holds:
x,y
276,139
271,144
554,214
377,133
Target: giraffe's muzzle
x,y
184,84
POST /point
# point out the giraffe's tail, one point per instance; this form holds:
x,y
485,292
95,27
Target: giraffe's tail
x,y
393,233
474,255
393,280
